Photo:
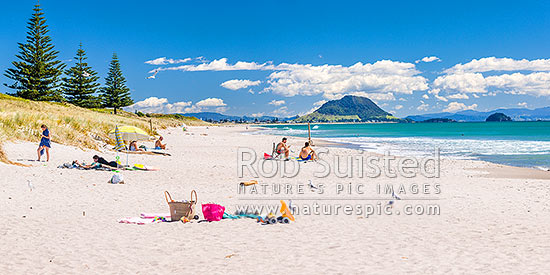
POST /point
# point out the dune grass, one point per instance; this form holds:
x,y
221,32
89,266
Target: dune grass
x,y
20,119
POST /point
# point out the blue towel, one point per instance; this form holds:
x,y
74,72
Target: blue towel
x,y
45,141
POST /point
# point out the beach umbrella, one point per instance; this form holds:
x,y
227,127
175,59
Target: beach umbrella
x,y
119,143
129,133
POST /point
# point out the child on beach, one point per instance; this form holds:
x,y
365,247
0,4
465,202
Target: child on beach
x,y
45,143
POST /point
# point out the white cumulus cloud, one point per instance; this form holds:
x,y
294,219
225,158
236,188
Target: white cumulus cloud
x,y
435,93
236,84
468,82
158,105
221,65
380,79
335,81
459,106
162,105
211,102
458,96
277,102
428,59
486,75
488,64
166,61
536,84
442,98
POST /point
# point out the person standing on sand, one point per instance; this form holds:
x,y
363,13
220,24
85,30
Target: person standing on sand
x,y
45,143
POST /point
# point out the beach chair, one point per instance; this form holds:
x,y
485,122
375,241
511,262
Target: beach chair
x,y
274,153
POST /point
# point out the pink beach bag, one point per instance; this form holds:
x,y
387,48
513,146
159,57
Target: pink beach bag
x,y
212,212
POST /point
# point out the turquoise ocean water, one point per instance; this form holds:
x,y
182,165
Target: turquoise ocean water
x,y
525,144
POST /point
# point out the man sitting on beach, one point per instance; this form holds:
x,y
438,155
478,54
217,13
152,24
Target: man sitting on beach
x,y
159,145
283,148
307,153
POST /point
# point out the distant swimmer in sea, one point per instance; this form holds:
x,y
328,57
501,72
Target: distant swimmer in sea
x,y
159,145
307,153
283,148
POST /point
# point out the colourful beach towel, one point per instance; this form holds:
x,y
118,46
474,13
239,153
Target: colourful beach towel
x,y
238,216
140,221
144,167
154,215
229,216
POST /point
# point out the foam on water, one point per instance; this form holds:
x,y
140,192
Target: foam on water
x,y
469,148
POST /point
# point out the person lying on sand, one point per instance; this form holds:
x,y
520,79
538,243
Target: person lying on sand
x,y
134,147
307,153
159,145
283,148
98,162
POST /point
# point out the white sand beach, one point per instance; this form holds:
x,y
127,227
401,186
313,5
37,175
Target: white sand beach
x,y
67,223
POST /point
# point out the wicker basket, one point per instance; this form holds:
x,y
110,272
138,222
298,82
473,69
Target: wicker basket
x,y
180,209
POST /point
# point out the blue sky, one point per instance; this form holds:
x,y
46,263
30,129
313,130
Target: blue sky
x,y
286,57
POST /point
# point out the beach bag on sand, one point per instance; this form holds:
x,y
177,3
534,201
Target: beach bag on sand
x,y
212,212
179,209
116,179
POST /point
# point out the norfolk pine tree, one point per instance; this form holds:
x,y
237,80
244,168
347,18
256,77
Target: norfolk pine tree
x,y
115,93
37,70
81,84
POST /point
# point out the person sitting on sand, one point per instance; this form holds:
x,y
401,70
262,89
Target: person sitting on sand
x,y
307,153
45,143
159,145
134,147
98,163
282,148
